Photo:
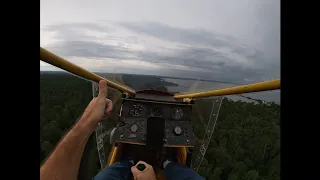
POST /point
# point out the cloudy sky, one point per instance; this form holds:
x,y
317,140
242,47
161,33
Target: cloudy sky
x,y
234,40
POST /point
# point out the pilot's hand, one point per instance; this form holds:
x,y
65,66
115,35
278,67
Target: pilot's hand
x,y
98,108
146,174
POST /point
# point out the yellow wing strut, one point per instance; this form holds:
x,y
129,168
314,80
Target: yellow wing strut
x,y
261,86
59,62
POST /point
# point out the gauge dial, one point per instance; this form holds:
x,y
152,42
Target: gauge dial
x,y
136,110
156,111
134,128
177,113
177,130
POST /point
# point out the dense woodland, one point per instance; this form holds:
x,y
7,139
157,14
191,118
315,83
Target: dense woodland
x,y
245,143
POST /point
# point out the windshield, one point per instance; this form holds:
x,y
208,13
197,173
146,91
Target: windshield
x,y
222,125
178,47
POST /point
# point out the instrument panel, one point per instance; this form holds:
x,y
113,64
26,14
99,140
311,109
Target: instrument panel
x,y
175,120
138,109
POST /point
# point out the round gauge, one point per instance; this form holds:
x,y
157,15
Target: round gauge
x,y
136,110
177,113
177,130
134,128
156,111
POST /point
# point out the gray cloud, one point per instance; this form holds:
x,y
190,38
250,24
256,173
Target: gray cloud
x,y
196,48
195,37
90,50
83,25
75,31
187,36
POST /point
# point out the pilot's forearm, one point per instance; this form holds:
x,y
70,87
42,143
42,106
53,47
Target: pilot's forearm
x,y
65,160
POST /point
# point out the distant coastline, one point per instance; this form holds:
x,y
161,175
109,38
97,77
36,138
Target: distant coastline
x,y
182,84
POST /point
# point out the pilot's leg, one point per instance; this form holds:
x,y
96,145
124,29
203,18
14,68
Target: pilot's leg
x,y
176,171
119,170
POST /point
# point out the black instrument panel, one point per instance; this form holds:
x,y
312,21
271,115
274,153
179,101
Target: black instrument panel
x,y
169,111
135,115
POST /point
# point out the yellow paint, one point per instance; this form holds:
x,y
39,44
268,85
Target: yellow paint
x,y
59,62
261,86
187,100
113,155
182,155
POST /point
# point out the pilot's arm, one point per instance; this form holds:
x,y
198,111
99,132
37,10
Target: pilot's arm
x,y
64,161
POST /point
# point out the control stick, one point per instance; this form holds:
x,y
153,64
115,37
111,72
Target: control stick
x,y
141,167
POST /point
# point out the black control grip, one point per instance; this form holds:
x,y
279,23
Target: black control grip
x,y
141,167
